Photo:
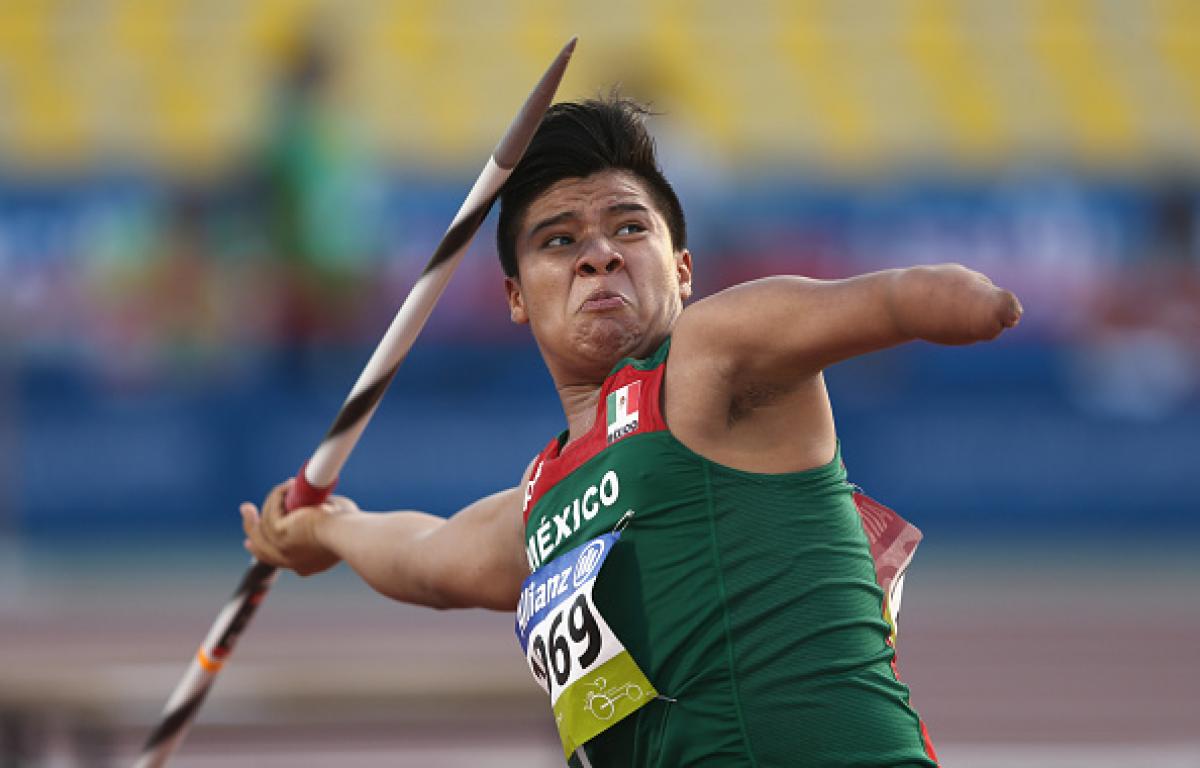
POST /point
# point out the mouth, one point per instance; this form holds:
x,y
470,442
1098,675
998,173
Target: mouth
x,y
602,301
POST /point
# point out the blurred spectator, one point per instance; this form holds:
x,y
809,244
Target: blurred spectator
x,y
1175,232
316,206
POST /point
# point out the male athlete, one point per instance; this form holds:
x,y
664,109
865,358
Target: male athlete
x,y
735,619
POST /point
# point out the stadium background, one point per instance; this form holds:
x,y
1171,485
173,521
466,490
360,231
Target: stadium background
x,y
210,210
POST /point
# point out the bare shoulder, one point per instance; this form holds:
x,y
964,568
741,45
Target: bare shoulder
x,y
716,335
701,369
744,322
732,392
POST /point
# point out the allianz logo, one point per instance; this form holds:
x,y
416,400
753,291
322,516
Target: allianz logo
x,y
537,593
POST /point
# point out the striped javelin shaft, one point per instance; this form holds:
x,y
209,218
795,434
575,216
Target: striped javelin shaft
x,y
319,474
197,681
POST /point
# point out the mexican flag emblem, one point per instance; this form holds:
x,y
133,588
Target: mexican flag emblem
x,y
622,410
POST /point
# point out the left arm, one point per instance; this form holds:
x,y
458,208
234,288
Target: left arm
x,y
744,384
792,327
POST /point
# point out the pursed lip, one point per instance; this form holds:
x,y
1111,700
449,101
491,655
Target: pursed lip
x,y
602,300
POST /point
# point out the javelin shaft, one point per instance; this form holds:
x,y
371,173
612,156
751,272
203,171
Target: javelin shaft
x,y
190,693
323,467
319,474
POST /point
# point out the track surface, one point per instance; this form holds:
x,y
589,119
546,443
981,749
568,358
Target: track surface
x,y
1054,657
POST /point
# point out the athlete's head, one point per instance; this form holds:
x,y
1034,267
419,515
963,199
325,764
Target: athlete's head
x,y
576,140
592,240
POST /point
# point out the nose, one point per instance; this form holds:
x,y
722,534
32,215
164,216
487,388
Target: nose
x,y
598,257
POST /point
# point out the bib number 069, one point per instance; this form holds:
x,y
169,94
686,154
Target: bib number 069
x,y
558,651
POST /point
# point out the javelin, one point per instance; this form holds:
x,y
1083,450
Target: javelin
x,y
319,474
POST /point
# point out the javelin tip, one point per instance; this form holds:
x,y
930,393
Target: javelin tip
x,y
516,140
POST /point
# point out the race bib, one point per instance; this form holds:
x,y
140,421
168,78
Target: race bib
x,y
574,656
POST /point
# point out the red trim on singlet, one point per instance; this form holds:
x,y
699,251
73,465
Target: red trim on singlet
x,y
892,540
930,752
555,462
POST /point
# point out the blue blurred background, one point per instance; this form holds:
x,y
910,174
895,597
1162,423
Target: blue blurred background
x,y
209,212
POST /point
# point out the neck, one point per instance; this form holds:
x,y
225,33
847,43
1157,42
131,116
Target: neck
x,y
579,390
579,406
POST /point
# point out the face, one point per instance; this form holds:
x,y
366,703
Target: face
x,y
598,278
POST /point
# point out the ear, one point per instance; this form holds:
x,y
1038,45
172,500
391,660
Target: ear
x,y
516,302
683,270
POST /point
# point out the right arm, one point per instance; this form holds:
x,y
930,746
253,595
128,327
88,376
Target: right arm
x,y
474,559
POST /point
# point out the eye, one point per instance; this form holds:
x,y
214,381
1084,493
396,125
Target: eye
x,y
558,241
631,228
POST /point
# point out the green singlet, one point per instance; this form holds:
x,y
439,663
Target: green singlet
x,y
752,603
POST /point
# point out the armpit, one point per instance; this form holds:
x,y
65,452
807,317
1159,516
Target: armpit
x,y
754,396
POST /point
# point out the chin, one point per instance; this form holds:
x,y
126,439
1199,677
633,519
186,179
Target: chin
x,y
606,340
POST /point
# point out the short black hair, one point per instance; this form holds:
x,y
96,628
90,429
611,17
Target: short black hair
x,y
575,140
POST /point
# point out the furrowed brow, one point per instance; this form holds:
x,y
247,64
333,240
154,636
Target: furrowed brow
x,y
548,222
628,208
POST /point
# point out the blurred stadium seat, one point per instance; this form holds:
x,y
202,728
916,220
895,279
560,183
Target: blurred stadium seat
x,y
179,84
